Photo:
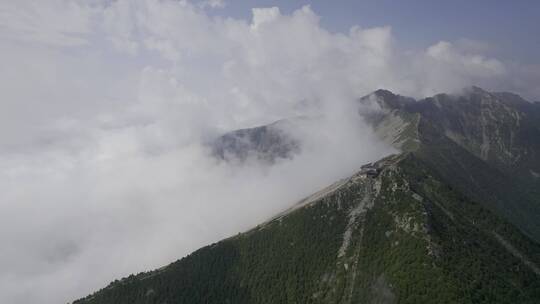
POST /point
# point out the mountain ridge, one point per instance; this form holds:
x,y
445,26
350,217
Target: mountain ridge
x,y
443,221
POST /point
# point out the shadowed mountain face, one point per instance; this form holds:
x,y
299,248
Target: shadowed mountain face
x,y
454,218
504,132
485,144
499,128
265,143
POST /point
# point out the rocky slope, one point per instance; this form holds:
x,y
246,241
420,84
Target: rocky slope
x,y
485,144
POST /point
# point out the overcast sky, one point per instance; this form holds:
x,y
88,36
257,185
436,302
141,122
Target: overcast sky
x,y
106,106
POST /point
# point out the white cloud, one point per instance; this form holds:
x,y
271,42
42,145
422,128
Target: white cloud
x,y
51,22
264,15
105,105
447,68
212,4
472,64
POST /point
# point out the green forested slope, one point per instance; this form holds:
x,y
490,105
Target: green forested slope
x,y
403,236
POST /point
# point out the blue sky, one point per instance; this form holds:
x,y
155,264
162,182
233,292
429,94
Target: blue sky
x,y
511,28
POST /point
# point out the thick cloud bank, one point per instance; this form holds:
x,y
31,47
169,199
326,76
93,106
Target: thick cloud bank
x,y
105,106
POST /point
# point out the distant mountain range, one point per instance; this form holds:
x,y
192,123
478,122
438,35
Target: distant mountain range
x,y
264,143
453,218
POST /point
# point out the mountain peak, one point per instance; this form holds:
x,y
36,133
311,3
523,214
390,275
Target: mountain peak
x,y
475,89
387,100
506,98
384,93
